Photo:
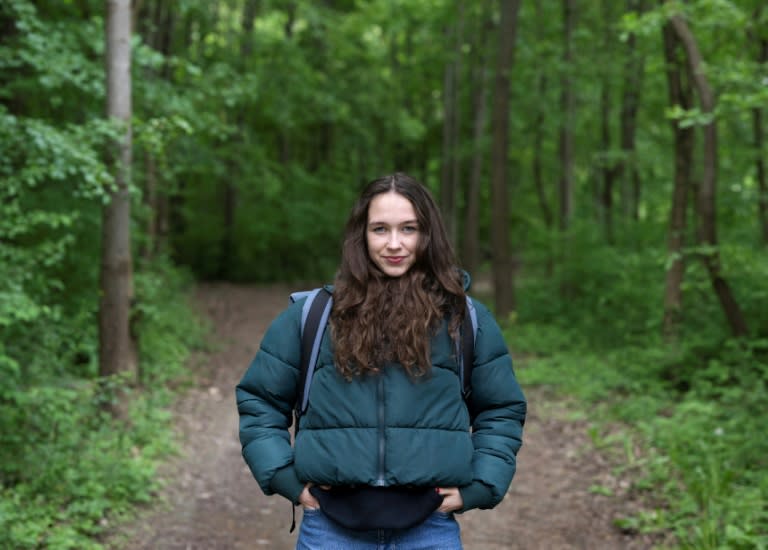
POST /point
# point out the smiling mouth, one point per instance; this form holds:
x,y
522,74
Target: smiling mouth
x,y
394,259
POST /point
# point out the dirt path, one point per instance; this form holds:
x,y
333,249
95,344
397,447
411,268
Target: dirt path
x,y
212,502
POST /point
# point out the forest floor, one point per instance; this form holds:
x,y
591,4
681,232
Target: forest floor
x,y
211,501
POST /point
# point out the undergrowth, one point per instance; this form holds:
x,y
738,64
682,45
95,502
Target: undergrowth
x,y
68,470
696,409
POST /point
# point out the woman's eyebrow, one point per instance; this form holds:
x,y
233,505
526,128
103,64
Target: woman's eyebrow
x,y
406,222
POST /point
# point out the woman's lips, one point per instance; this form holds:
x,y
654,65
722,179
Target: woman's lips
x,y
394,259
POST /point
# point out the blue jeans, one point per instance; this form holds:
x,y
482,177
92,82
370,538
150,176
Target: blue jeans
x,y
439,531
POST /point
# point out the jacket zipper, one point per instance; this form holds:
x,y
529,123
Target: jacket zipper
x,y
380,481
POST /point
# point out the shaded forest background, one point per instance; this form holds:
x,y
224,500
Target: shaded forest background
x,y
603,163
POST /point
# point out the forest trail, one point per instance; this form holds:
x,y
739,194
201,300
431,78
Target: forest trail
x,y
212,502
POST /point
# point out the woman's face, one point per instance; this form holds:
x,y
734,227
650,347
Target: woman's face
x,y
392,233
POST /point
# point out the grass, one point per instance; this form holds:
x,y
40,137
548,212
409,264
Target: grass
x,y
698,449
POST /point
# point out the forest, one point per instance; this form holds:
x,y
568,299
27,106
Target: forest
x,y
601,165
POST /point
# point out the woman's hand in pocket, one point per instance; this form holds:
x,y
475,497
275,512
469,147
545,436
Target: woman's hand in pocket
x,y
452,500
306,499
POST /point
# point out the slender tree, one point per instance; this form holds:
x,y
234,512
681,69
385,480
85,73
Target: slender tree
x,y
632,78
480,77
566,127
230,188
450,165
758,132
608,165
537,160
503,284
286,139
680,94
117,350
155,22
706,203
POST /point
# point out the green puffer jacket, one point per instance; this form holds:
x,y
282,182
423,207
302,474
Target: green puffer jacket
x,y
387,429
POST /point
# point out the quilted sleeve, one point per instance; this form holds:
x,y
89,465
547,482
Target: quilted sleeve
x,y
500,408
265,398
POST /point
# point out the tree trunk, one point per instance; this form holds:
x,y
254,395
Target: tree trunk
x,y
166,25
758,131
155,21
471,242
285,142
565,149
633,76
227,246
680,93
762,182
117,349
503,284
566,128
630,103
536,161
607,164
537,164
446,185
707,234
449,184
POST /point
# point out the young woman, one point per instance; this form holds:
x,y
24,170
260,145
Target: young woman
x,y
385,455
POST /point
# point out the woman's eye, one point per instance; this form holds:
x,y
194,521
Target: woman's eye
x,y
410,229
379,230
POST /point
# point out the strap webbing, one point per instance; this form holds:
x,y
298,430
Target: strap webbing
x,y
313,328
467,356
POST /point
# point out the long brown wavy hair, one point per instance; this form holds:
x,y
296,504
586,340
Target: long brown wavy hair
x,y
377,318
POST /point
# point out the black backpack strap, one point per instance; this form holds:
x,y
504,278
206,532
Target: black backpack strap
x,y
315,315
467,355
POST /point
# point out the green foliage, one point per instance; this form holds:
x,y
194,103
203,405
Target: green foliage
x,y
248,151
66,466
94,467
694,408
168,332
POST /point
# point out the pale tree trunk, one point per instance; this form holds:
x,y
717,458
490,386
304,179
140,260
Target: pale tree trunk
x,y
117,350
503,276
707,234
566,128
471,243
680,93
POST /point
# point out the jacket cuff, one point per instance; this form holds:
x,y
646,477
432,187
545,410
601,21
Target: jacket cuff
x,y
286,483
475,495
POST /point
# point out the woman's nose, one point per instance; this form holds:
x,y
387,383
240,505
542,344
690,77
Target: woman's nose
x,y
394,240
